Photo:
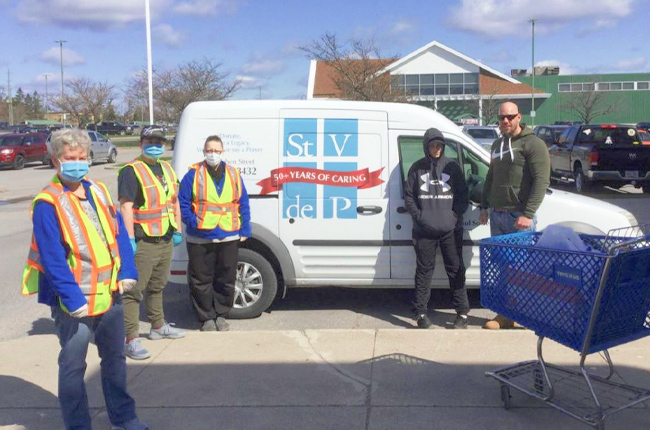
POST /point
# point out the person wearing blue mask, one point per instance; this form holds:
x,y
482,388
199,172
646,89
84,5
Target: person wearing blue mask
x,y
148,190
80,262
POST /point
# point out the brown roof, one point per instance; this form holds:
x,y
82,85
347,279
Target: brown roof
x,y
326,76
491,84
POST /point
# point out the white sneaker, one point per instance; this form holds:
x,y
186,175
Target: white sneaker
x,y
167,331
134,350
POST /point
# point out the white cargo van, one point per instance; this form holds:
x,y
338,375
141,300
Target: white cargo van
x,y
325,179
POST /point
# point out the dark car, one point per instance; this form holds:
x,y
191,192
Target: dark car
x,y
18,149
550,133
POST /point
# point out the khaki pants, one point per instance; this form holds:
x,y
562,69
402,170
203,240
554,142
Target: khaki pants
x,y
152,261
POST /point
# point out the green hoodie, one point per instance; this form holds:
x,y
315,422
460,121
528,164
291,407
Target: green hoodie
x,y
519,173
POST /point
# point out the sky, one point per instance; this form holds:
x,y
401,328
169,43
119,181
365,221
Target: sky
x,y
257,40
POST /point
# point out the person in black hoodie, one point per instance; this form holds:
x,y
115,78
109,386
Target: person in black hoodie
x,y
436,196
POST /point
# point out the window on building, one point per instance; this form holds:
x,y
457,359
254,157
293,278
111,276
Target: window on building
x,y
576,87
397,83
588,87
603,86
628,85
643,85
442,84
456,83
614,86
426,85
563,88
412,84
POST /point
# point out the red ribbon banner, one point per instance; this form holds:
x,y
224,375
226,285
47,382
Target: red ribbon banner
x,y
361,179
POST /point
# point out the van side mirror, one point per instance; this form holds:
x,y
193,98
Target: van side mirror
x,y
475,186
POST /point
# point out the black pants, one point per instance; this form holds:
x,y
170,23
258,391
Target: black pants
x,y
451,247
212,269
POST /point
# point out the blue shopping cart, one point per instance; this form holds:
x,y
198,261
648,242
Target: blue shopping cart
x,y
588,301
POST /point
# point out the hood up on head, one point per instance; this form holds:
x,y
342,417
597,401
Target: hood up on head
x,y
430,136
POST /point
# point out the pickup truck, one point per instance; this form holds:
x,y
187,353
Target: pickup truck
x,y
607,154
110,127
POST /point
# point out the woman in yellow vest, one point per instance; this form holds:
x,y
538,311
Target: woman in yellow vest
x,y
80,261
216,214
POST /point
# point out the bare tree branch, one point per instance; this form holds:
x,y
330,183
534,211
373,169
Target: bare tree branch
x,y
174,89
591,103
357,68
86,100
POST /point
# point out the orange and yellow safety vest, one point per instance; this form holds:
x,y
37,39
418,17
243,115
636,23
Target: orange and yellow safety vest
x,y
157,212
94,262
214,210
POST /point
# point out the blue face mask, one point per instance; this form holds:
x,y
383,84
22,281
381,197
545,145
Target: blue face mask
x,y
153,151
73,171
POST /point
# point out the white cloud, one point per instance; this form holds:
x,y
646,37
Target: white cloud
x,y
259,67
167,35
70,57
91,14
402,26
206,7
504,18
631,65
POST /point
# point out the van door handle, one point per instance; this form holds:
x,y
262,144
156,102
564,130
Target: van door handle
x,y
369,209
401,210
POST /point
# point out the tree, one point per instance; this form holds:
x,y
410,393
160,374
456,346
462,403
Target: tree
x,y
174,89
590,103
86,100
357,68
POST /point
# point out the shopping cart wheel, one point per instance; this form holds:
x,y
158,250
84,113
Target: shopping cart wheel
x,y
505,396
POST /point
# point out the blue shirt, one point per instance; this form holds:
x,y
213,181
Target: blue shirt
x,y
185,198
57,279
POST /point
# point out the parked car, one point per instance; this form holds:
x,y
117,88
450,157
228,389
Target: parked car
x,y
643,125
550,133
328,177
484,135
608,154
110,127
101,147
18,149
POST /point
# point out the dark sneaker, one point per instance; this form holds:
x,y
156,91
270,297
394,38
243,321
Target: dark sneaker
x,y
167,331
221,324
134,350
423,321
460,322
134,424
209,325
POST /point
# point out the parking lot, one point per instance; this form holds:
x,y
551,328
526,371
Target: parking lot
x,y
300,309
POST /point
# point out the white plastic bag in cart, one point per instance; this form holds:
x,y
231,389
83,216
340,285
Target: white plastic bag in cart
x,y
561,238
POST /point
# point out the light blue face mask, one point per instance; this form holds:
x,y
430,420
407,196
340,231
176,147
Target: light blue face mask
x,y
153,151
73,171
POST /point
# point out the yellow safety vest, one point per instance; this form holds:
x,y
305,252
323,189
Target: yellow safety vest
x,y
93,263
214,210
157,212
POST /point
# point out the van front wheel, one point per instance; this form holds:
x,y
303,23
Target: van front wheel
x,y
255,286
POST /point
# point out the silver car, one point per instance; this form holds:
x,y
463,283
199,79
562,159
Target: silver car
x,y
101,148
484,135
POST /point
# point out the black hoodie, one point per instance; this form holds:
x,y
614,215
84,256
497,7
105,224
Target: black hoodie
x,y
436,194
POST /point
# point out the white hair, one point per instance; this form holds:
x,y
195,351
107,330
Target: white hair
x,y
72,137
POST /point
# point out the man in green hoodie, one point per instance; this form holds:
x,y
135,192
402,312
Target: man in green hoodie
x,y
515,184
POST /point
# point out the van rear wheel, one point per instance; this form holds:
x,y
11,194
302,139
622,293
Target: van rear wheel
x,y
255,287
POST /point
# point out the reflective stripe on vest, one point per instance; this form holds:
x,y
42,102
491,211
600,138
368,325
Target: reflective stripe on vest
x,y
214,210
94,264
157,211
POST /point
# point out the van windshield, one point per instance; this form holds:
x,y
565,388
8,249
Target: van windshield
x,y
482,133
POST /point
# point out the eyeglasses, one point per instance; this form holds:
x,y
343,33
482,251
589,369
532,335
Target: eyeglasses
x,y
510,117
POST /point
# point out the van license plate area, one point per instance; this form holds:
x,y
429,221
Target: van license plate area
x,y
632,174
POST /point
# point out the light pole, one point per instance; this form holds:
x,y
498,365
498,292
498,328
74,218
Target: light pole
x,y
47,110
149,66
532,65
61,42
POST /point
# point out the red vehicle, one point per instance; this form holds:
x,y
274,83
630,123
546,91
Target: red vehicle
x,y
18,149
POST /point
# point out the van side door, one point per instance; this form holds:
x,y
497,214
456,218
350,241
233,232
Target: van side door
x,y
331,181
406,148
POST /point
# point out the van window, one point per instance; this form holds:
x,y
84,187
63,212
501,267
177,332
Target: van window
x,y
475,170
411,150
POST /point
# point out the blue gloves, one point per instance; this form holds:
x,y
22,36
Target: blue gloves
x,y
177,238
134,245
